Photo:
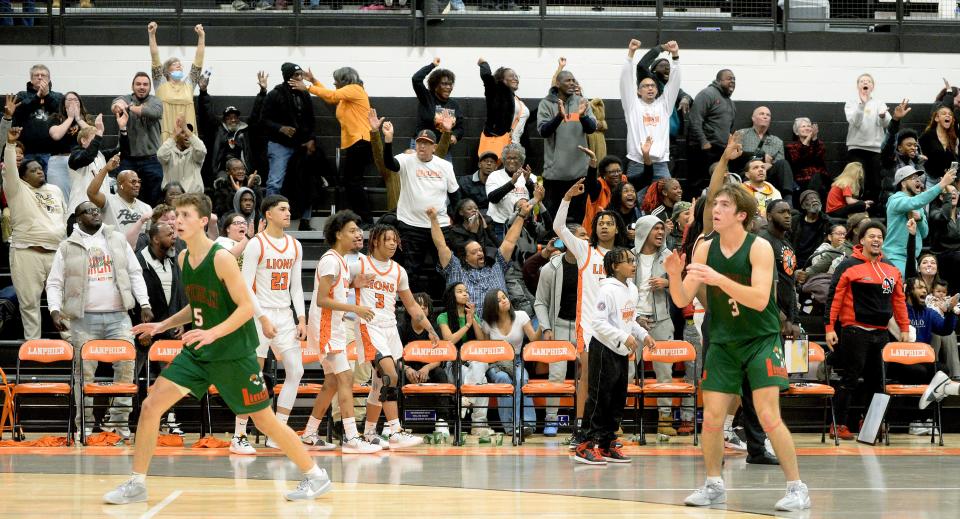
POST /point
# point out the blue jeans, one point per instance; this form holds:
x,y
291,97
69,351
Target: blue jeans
x,y
150,171
5,7
278,156
635,169
43,159
505,403
58,173
102,325
499,230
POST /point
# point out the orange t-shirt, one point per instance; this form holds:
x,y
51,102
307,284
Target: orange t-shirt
x,y
837,198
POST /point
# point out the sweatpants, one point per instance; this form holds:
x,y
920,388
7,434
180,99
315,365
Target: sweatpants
x,y
858,354
607,394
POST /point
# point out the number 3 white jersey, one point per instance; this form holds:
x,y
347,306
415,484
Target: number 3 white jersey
x,y
380,295
272,268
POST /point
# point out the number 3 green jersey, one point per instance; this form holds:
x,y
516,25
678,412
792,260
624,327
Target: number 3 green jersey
x,y
730,322
212,305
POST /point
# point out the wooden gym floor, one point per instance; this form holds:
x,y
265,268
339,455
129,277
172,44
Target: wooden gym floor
x,y
909,479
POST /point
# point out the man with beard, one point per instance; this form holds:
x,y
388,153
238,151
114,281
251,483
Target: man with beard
x,y
900,148
661,73
711,122
757,185
288,123
38,222
808,232
121,210
909,203
144,112
474,186
779,219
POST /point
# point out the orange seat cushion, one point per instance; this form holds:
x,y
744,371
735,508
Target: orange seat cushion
x,y
810,389
548,388
634,389
905,389
486,389
120,388
429,388
654,387
42,388
359,389
302,389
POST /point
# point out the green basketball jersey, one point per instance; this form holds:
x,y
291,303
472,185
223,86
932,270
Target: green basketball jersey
x,y
212,305
731,322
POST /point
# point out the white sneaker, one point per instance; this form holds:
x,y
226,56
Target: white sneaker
x,y
271,444
377,440
768,447
402,440
310,488
732,441
357,445
314,442
131,491
240,445
709,494
797,498
124,431
936,390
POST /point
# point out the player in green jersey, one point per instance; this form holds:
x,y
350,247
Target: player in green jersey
x,y
737,269
219,350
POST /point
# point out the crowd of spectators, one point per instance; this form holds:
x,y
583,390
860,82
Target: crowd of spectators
x,y
504,247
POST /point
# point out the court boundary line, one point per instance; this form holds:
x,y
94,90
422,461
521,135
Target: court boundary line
x,y
162,504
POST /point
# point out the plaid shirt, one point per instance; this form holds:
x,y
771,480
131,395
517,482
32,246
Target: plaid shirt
x,y
477,280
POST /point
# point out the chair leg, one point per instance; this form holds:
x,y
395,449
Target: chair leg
x,y
823,426
696,436
885,427
939,424
833,422
643,435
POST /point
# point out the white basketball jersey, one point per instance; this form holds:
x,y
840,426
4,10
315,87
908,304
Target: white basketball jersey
x,y
325,326
380,295
275,270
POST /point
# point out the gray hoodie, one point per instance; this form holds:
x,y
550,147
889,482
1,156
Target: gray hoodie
x,y
561,158
661,305
711,117
236,205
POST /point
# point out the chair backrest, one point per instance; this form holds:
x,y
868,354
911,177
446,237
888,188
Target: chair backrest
x,y
816,353
549,351
908,353
487,351
671,351
165,350
46,351
106,350
425,351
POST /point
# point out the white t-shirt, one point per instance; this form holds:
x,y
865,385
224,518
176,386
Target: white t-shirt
x,y
163,270
102,292
424,185
645,305
389,278
122,215
515,336
325,328
501,211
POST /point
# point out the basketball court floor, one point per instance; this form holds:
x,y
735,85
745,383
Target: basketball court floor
x,y
908,479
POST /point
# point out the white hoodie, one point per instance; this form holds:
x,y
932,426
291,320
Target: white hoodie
x,y
615,315
645,119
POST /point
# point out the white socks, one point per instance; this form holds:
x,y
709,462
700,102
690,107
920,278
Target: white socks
x,y
240,428
138,477
350,428
394,426
952,388
315,472
714,480
313,424
370,429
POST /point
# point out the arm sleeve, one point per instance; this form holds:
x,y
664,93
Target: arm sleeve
x,y
591,183
588,123
135,271
854,112
165,151
418,87
835,295
496,194
55,283
82,157
628,85
672,88
578,247
900,314
489,84
152,109
697,111
902,204
888,149
10,174
296,284
602,329
650,56
197,149
544,297
251,260
389,161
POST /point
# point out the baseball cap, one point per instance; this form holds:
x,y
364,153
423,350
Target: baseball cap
x,y
904,173
231,110
427,135
488,153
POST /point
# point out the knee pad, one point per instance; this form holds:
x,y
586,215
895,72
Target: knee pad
x,y
389,394
389,391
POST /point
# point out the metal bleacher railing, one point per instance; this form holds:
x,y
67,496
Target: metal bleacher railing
x,y
705,15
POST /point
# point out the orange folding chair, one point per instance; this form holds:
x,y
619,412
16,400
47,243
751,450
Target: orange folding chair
x,y
824,392
490,352
634,395
6,415
547,352
109,351
909,353
164,351
48,365
670,352
426,352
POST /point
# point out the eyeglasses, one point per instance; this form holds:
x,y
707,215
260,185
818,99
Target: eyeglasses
x,y
617,171
91,210
648,85
238,222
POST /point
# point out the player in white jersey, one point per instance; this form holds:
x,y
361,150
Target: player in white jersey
x,y
325,330
271,267
379,338
608,232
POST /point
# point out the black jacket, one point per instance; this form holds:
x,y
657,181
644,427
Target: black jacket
x,y
944,232
285,106
158,301
428,103
35,115
500,104
218,138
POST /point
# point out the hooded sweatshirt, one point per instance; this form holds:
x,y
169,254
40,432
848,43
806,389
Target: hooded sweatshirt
x,y
561,136
653,302
615,315
867,128
899,207
285,106
252,218
648,119
928,322
711,117
866,294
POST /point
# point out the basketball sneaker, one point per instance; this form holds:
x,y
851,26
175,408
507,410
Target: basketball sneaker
x,y
132,491
588,454
797,498
402,440
708,494
310,487
314,442
614,454
271,444
376,439
936,390
240,445
732,441
357,445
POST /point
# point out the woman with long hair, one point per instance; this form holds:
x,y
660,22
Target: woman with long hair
x,y
939,143
233,234
502,323
623,201
459,323
174,86
842,201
